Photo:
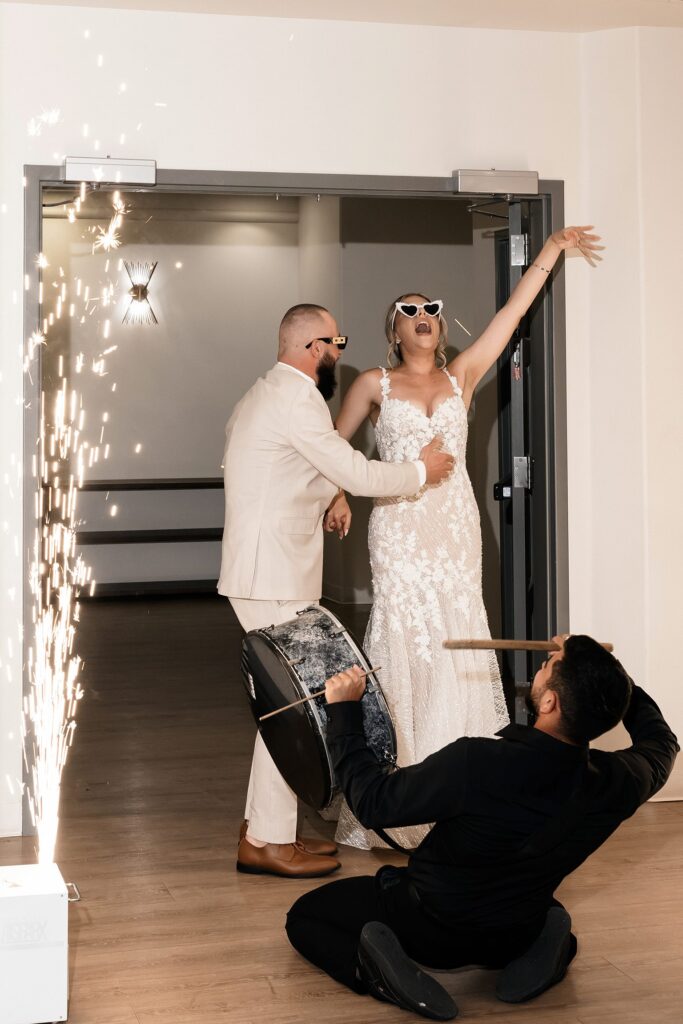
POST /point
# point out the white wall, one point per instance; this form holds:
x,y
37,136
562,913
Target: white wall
x,y
255,94
632,148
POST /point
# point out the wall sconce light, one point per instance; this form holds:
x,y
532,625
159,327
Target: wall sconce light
x,y
139,310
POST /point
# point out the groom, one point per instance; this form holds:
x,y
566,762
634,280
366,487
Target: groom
x,y
283,464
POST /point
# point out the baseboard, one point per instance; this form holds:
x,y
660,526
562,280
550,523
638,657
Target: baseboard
x,y
150,588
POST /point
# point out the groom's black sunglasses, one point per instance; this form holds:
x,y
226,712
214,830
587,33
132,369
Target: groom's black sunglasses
x,y
341,341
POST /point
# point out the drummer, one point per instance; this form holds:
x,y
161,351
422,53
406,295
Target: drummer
x,y
513,816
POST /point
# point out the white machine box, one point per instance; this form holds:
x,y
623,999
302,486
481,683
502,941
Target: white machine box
x,y
34,949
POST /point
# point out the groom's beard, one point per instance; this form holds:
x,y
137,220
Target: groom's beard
x,y
327,376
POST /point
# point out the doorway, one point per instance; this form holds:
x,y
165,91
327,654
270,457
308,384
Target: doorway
x,y
231,253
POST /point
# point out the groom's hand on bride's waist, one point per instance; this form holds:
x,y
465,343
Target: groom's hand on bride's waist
x,y
348,685
438,462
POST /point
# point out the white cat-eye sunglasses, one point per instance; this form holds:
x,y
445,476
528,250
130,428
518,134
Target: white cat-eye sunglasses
x,y
411,309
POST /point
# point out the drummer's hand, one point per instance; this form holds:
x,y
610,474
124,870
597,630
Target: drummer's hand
x,y
561,640
338,516
348,685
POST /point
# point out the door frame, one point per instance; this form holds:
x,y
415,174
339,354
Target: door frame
x,y
528,452
551,192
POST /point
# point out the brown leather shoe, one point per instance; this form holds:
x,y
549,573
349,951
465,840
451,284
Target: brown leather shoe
x,y
288,860
320,847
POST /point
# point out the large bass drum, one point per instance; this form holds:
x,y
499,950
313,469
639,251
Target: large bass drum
x,y
284,663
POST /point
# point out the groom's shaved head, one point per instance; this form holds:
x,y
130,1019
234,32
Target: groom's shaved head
x,y
299,325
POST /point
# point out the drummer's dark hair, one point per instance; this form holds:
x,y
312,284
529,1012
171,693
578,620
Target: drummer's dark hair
x,y
593,688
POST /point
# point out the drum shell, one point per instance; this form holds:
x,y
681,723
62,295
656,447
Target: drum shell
x,y
284,663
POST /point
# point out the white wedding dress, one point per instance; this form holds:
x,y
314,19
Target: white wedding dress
x,y
425,554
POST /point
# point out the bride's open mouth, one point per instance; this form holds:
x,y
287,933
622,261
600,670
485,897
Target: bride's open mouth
x,y
423,328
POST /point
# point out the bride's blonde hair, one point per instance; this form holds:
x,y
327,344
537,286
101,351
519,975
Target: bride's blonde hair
x,y
394,357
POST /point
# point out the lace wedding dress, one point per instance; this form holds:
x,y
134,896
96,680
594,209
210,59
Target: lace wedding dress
x,y
425,554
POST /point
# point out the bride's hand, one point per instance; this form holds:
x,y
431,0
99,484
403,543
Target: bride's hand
x,y
581,239
338,516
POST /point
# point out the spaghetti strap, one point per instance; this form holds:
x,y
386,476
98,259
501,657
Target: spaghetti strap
x,y
384,384
454,381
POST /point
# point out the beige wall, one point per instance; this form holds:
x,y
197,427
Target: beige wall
x,y
257,94
661,220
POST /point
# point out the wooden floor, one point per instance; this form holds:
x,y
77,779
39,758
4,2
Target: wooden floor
x,y
167,931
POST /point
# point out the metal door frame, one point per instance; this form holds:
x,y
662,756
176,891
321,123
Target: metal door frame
x,y
40,177
532,451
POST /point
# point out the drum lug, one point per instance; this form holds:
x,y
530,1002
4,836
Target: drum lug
x,y
295,661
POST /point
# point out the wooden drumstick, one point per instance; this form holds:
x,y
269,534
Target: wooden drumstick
x,y
507,645
311,696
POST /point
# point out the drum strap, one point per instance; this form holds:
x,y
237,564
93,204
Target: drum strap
x,y
392,842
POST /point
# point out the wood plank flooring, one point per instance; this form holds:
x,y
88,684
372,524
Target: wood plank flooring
x,y
168,931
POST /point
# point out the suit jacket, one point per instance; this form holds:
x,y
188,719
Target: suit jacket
x,y
283,463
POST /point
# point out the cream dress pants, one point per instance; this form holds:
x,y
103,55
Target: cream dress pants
x,y
271,808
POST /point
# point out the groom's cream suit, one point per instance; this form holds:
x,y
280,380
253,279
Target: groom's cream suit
x,y
283,463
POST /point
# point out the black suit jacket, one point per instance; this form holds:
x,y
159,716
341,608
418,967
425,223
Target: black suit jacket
x,y
513,816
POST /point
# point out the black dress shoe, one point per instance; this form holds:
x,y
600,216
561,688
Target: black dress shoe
x,y
544,964
392,977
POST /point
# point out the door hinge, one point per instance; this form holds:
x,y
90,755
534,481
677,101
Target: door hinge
x,y
522,472
519,250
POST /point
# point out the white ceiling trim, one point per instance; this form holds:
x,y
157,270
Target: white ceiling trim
x,y
522,15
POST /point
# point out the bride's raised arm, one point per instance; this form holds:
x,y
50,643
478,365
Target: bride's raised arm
x,y
471,364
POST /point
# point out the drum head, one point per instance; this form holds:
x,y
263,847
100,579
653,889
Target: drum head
x,y
293,741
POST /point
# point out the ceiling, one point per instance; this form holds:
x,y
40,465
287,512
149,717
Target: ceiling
x,y
528,15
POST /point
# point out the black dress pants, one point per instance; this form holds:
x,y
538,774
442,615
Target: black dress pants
x,y
325,924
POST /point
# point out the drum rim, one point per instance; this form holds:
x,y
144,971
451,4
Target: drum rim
x,y
365,664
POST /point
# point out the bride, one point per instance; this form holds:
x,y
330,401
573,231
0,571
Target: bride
x,y
425,550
